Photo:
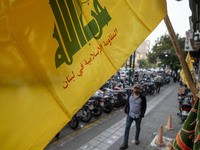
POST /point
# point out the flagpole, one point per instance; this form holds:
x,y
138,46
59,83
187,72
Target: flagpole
x,y
177,48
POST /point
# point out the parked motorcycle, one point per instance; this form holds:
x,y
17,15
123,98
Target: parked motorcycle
x,y
98,103
84,114
185,105
74,122
117,93
144,88
108,103
166,80
119,97
151,88
185,108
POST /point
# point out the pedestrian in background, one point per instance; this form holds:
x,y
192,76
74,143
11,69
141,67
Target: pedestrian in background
x,y
175,77
158,81
135,109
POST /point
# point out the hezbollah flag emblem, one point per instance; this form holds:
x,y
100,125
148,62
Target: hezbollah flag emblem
x,y
71,33
55,54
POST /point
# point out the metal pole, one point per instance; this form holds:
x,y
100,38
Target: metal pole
x,y
133,64
130,70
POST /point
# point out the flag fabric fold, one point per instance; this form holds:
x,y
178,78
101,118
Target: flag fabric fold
x,y
56,53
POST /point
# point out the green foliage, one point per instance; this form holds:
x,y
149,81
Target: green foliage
x,y
143,63
159,56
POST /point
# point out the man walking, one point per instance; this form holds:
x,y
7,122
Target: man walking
x,y
135,109
159,81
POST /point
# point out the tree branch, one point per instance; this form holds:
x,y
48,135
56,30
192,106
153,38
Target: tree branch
x,y
184,65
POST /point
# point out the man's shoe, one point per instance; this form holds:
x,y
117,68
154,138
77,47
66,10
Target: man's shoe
x,y
137,142
123,146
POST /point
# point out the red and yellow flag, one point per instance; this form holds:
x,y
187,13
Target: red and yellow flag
x,y
54,54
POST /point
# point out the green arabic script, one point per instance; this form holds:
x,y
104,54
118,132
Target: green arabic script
x,y
71,33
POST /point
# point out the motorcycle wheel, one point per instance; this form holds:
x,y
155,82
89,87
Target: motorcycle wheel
x,y
158,89
107,108
117,104
74,122
118,101
97,111
152,91
144,92
86,114
123,102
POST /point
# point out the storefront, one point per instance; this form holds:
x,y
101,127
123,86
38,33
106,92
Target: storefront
x,y
192,42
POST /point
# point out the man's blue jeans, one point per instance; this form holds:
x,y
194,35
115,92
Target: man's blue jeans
x,y
129,121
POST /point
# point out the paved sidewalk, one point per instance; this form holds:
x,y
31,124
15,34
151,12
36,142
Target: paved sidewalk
x,y
167,104
158,110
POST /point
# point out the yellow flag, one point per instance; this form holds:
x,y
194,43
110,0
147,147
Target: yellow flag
x,y
54,54
191,68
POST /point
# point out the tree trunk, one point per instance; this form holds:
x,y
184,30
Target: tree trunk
x,y
184,65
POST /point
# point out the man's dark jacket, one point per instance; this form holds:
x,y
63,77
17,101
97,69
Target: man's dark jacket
x,y
143,105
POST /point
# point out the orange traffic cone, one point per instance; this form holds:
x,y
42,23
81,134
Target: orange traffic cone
x,y
159,140
169,124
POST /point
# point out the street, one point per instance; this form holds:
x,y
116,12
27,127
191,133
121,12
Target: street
x,y
106,131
